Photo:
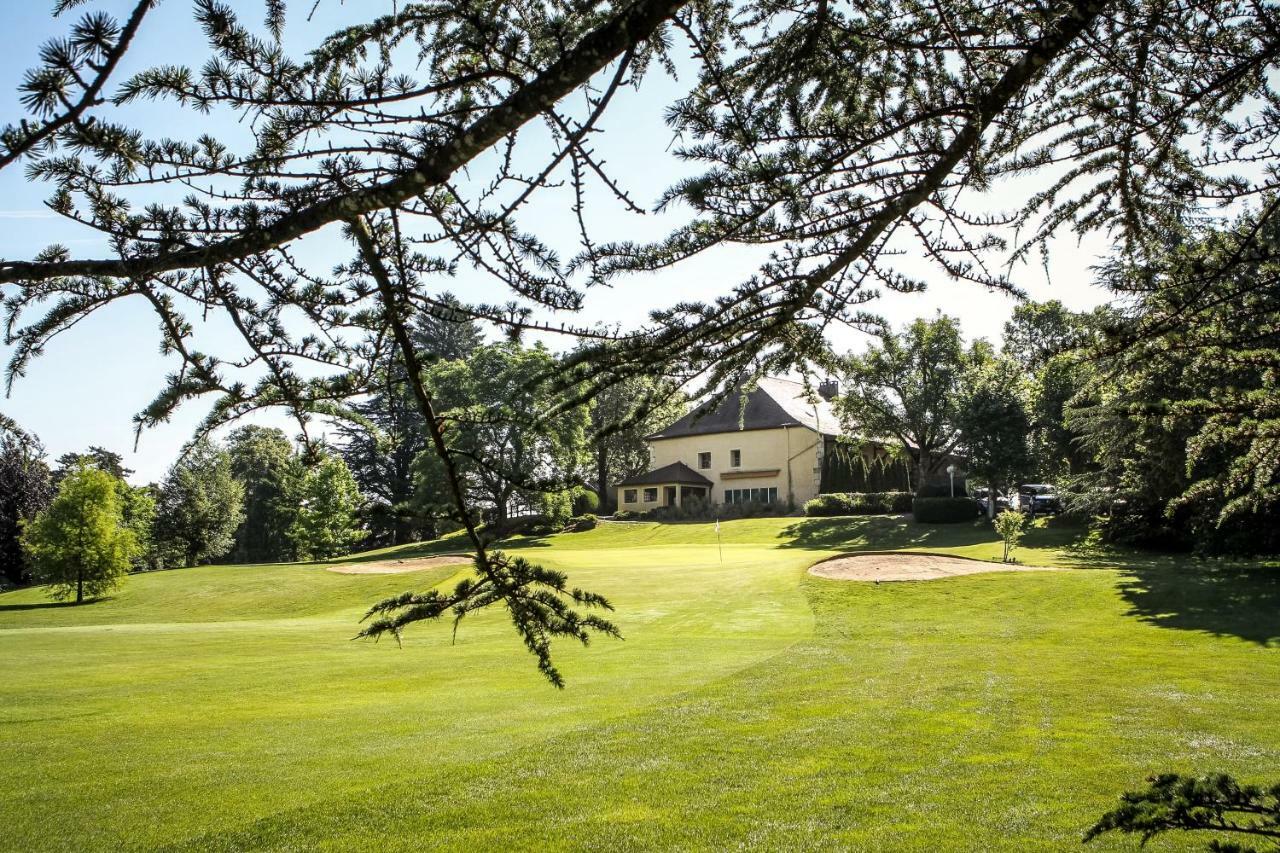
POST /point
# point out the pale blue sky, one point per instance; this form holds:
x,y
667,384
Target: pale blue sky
x,y
92,380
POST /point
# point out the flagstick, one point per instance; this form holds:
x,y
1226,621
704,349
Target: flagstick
x,y
719,544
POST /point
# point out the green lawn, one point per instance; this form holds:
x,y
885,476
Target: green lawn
x,y
749,705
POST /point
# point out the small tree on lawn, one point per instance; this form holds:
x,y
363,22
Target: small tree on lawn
x,y
80,545
1010,525
328,507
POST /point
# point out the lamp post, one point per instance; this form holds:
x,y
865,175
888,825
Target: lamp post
x,y
951,472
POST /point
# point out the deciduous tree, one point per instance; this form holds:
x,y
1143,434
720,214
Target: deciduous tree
x,y
80,545
200,508
264,461
907,388
326,523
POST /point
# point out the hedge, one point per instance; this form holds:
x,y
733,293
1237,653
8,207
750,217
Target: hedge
x,y
944,510
859,503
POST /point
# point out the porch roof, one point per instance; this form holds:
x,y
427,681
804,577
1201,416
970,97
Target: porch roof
x,y
675,473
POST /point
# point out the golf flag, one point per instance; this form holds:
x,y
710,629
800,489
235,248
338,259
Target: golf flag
x,y
719,546
717,527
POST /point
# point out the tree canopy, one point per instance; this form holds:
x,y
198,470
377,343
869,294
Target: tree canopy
x,y
80,545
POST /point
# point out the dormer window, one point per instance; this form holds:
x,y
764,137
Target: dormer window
x,y
704,461
735,458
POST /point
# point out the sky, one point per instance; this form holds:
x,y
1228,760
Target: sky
x,y
90,382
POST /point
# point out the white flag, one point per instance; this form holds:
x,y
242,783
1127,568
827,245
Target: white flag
x,y
717,527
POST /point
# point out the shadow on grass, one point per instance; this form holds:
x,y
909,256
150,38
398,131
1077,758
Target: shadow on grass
x,y
41,605
881,532
1179,591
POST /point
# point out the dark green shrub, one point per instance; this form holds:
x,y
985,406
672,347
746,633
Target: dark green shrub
x,y
941,488
585,502
859,503
580,523
631,515
944,510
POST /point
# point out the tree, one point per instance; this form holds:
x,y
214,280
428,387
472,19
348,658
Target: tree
x,y
138,514
1037,331
380,447
264,462
200,508
493,403
994,425
328,505
26,488
97,457
621,416
80,545
907,388
832,135
1181,420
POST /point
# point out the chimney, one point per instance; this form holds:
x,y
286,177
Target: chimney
x,y
828,389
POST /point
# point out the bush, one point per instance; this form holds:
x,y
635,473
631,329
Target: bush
x,y
942,489
631,515
702,509
944,510
859,503
585,502
581,523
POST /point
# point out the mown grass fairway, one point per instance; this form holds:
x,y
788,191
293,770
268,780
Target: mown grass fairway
x,y
750,704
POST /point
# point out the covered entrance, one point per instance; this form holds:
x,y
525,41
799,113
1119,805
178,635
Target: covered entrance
x,y
670,485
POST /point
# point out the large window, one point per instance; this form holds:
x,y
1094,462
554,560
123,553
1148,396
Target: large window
x,y
759,496
704,460
735,458
628,496
650,495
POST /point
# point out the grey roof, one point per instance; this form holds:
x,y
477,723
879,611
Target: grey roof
x,y
773,403
676,472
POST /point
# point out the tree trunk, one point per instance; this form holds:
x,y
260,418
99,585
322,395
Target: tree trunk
x,y
602,478
80,586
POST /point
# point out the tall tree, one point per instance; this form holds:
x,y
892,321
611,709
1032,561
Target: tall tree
x,y
621,416
26,488
907,388
200,508
80,545
995,425
326,523
263,460
492,402
381,446
1181,420
97,457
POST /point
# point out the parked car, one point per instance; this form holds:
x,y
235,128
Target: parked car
x,y
980,497
1037,498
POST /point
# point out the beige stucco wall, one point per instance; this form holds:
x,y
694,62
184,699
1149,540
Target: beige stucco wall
x,y
639,503
793,451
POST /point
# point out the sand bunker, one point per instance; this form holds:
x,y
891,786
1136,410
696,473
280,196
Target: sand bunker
x,y
395,567
908,567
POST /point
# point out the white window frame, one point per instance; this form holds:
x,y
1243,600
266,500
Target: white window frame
x,y
735,458
654,492
701,454
628,496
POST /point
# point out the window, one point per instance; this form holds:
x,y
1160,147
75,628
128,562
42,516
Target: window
x,y
704,460
761,496
628,496
650,495
735,458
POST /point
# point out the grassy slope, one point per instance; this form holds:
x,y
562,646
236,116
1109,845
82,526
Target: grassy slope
x,y
749,704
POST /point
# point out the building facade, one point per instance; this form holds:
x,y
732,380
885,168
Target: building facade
x,y
776,443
